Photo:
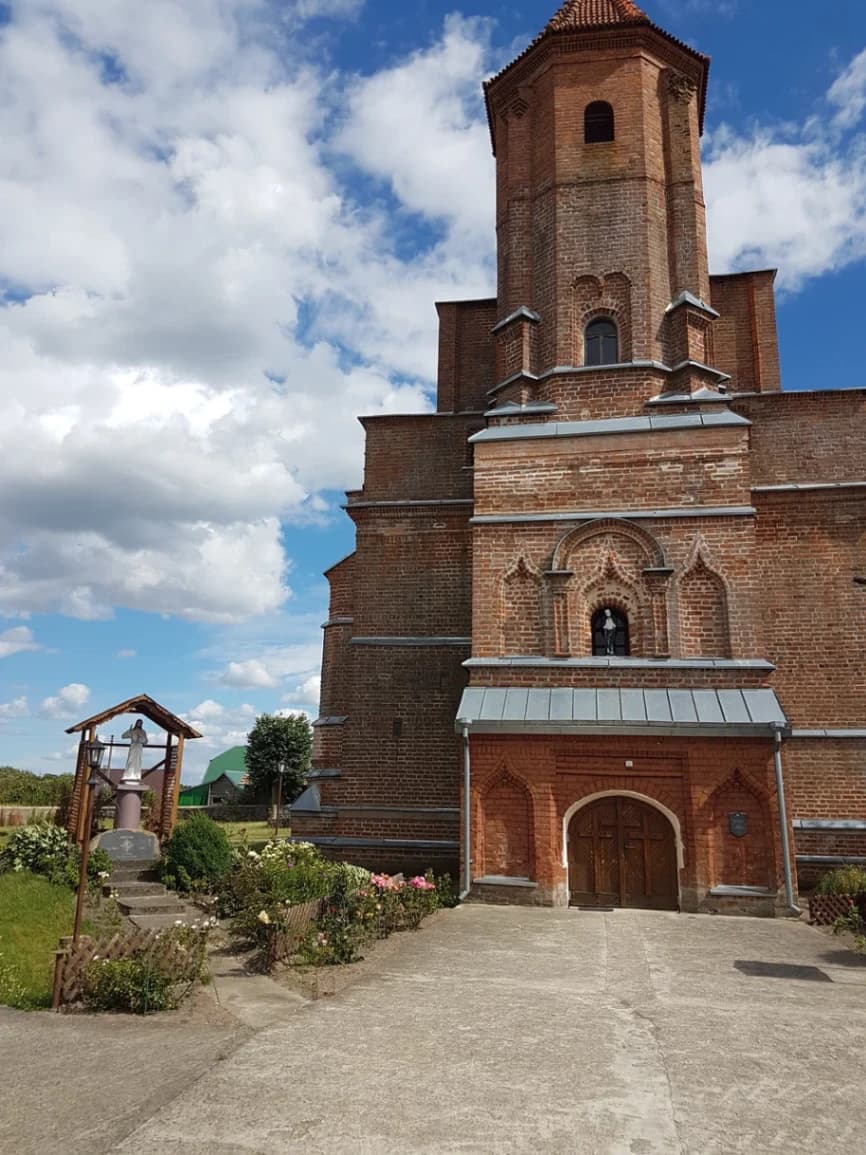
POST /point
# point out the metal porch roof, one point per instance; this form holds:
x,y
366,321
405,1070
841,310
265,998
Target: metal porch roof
x,y
708,713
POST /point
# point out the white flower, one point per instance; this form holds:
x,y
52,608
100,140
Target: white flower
x,y
264,917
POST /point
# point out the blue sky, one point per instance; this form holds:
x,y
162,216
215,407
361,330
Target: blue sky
x,y
222,230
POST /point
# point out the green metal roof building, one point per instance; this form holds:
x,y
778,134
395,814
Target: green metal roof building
x,y
225,773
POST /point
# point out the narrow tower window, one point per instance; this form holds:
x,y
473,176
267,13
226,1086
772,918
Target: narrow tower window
x,y
598,122
602,343
610,633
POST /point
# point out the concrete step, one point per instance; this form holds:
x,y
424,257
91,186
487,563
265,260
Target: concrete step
x,y
133,872
136,889
166,921
152,904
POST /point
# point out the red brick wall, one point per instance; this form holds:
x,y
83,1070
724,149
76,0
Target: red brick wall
x,y
809,545
697,780
411,572
744,338
419,456
466,354
807,437
632,471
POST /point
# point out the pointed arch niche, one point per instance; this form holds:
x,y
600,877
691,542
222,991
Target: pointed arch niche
x,y
746,860
703,610
507,828
612,563
521,616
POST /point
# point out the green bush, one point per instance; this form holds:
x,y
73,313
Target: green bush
x,y
46,850
843,880
198,856
137,986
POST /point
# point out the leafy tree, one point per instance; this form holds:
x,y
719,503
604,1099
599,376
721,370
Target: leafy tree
x,y
274,739
24,788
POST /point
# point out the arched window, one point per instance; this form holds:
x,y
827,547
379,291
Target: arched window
x,y
602,342
598,122
609,633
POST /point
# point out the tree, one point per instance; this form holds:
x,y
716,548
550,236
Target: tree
x,y
273,739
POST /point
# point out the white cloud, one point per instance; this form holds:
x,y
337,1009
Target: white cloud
x,y
792,196
124,655
848,92
307,693
67,702
17,640
201,247
17,708
251,674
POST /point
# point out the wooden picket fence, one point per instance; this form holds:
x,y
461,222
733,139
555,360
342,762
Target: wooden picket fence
x,y
284,942
71,960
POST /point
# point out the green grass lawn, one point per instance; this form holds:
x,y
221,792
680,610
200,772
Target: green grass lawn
x,y
34,914
255,832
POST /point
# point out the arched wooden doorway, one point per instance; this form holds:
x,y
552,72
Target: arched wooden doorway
x,y
622,852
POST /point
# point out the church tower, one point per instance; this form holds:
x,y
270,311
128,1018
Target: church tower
x,y
601,229
552,661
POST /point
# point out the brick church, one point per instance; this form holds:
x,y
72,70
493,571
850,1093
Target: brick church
x,y
601,640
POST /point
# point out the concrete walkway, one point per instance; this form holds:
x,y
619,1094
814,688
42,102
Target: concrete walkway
x,y
507,1030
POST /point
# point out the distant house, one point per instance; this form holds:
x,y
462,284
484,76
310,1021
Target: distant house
x,y
223,782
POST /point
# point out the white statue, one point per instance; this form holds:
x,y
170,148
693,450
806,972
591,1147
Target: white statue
x,y
609,627
137,736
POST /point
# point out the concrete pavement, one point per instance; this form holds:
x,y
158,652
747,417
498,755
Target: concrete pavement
x,y
519,1030
79,1083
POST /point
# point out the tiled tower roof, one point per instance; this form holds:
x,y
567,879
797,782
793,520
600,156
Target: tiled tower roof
x,y
576,14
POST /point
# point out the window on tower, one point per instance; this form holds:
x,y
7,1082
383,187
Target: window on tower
x,y
601,343
598,122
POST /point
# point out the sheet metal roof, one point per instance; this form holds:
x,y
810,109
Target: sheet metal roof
x,y
610,425
492,709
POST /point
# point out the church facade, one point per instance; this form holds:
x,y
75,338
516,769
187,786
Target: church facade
x,y
601,640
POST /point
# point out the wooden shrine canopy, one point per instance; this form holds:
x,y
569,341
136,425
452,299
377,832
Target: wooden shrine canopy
x,y
177,732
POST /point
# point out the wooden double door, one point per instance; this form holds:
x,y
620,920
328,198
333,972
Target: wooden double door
x,y
622,852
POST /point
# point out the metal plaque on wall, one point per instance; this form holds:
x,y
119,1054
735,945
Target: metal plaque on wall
x,y
738,824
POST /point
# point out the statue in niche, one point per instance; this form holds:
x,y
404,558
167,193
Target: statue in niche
x,y
137,738
609,628
610,634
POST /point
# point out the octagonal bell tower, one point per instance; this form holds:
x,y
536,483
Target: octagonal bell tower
x,y
600,212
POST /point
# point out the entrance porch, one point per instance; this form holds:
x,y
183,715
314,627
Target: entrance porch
x,y
607,813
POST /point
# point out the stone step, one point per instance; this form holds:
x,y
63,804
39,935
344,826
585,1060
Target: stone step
x,y
135,889
165,921
133,871
152,904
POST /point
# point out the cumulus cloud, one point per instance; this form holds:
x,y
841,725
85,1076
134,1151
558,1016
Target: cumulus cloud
x,y
17,708
188,280
221,728
792,196
251,674
66,702
17,640
307,693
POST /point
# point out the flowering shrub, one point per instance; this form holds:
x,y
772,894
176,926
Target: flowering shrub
x,y
274,895
353,917
46,850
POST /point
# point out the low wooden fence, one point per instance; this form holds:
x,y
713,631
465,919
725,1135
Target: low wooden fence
x,y
284,941
72,959
824,909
